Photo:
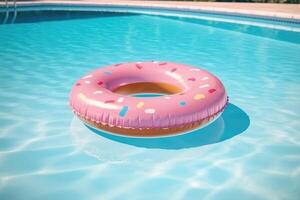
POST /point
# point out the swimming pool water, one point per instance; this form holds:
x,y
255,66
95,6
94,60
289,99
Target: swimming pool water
x,y
251,152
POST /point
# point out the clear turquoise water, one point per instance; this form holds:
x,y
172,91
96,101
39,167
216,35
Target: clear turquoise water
x,y
251,152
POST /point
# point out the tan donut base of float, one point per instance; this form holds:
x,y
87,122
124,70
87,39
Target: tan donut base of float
x,y
151,132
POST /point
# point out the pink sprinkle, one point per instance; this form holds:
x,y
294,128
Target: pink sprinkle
x,y
173,70
78,84
100,83
139,66
116,65
191,79
211,90
109,101
164,63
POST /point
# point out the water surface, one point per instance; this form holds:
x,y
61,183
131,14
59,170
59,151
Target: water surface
x,y
251,152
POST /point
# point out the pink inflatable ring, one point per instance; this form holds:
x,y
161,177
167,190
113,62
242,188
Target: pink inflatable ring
x,y
103,99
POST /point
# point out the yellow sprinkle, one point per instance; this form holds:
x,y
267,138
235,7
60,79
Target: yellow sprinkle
x,y
81,96
199,96
140,105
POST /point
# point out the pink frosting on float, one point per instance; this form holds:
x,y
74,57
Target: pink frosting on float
x,y
203,95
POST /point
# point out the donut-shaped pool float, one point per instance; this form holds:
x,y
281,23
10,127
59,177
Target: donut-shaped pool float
x,y
105,99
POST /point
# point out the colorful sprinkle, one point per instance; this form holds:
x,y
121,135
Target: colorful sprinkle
x,y
82,96
140,104
163,63
120,100
199,96
78,84
87,82
173,70
121,84
204,86
139,66
116,65
195,69
150,111
100,83
182,103
191,79
108,73
88,76
123,111
211,90
204,78
98,92
109,101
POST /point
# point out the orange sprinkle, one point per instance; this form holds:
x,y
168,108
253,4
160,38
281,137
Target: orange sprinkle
x,y
199,96
140,105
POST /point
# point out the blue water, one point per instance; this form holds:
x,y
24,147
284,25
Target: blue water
x,y
251,152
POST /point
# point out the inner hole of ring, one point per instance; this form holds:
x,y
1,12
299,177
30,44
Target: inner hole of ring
x,y
150,89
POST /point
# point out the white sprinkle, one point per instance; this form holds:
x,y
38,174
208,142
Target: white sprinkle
x,y
195,69
88,76
150,111
155,62
121,84
139,62
176,76
87,82
98,92
120,100
167,97
204,78
204,86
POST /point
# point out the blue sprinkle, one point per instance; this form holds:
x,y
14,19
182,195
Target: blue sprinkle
x,y
108,73
123,111
182,103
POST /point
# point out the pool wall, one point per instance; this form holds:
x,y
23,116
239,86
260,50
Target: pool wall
x,y
255,14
